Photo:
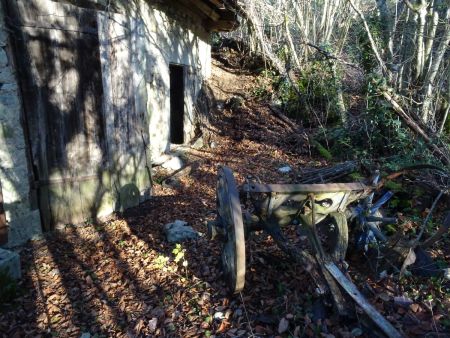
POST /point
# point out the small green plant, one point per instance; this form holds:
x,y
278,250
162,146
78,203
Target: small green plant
x,y
180,257
322,151
161,262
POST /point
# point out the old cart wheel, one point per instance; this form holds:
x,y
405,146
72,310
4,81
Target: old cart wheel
x,y
230,216
334,229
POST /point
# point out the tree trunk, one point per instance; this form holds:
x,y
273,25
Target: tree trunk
x,y
428,86
370,37
386,24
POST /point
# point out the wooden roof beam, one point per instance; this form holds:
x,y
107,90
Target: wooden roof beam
x,y
205,9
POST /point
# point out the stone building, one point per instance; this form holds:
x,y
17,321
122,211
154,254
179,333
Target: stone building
x,y
90,92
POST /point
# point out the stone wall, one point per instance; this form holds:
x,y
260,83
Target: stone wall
x,y
22,215
138,39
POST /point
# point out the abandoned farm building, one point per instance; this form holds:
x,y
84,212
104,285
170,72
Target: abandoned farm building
x,y
90,92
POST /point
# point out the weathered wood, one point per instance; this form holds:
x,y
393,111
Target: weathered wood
x,y
353,292
305,188
204,8
59,68
53,15
327,174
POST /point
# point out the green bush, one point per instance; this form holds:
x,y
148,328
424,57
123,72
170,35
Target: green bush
x,y
378,133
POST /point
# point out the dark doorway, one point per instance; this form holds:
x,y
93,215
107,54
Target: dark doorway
x,y
176,104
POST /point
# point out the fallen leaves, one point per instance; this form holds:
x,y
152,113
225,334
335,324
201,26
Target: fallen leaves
x,y
121,278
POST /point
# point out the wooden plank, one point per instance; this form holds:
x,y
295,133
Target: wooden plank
x,y
304,188
61,80
46,14
204,8
219,4
66,69
351,290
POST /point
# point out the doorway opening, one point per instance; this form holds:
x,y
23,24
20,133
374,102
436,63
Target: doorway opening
x,y
176,104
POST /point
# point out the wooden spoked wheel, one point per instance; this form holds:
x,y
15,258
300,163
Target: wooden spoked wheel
x,y
230,217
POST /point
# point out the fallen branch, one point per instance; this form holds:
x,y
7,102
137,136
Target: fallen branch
x,y
428,217
443,157
330,56
291,124
443,229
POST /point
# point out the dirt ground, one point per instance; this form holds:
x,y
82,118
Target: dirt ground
x,y
120,278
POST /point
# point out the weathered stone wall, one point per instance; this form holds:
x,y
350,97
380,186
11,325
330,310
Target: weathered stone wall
x,y
182,41
136,38
22,216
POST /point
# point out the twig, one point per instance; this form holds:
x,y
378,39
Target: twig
x,y
329,55
246,315
432,317
439,233
428,218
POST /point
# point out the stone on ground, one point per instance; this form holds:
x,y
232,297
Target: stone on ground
x,y
175,163
179,231
285,169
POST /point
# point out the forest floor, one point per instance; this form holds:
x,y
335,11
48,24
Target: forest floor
x,y
120,278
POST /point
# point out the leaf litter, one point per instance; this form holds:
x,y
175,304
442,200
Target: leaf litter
x,y
121,278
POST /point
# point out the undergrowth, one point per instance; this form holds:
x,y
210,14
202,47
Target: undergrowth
x,y
8,288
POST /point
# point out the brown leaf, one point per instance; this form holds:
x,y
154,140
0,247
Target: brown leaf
x,y
224,325
414,307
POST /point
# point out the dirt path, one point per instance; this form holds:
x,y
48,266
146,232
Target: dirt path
x,y
120,278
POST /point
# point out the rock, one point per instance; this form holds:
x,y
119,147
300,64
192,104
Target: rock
x,y
356,332
171,183
175,163
10,263
234,102
179,231
219,315
283,325
85,335
161,159
284,170
447,274
199,143
152,324
403,301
